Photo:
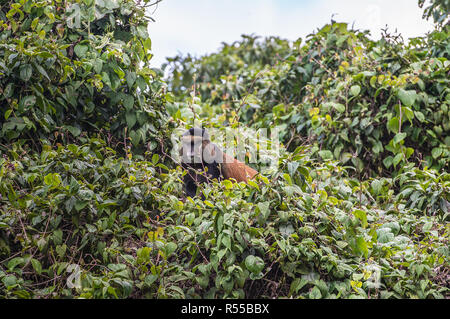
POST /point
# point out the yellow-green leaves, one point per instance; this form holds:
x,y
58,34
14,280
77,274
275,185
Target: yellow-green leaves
x,y
209,204
52,179
361,215
228,184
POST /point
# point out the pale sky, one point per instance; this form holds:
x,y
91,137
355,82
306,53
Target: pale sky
x,y
200,26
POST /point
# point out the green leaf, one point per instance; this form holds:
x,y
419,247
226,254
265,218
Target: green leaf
x,y
254,264
98,65
135,137
80,50
228,184
378,147
170,248
75,131
359,164
373,81
150,279
384,235
131,119
355,90
42,71
36,265
397,159
148,44
339,107
130,78
362,247
9,281
142,84
420,116
436,152
25,72
15,262
362,216
128,102
115,81
409,152
253,184
80,204
408,113
57,237
393,125
407,97
48,179
105,78
387,162
34,23
45,55
264,209
297,284
376,186
326,155
73,186
155,159
288,179
226,240
209,204
315,293
292,167
8,90
345,157
399,137
8,113
61,250
27,102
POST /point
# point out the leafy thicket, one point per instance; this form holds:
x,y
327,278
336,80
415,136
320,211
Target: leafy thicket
x,y
77,66
300,233
376,105
358,207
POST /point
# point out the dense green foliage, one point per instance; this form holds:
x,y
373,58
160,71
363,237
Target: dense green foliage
x,y
375,104
358,207
304,233
77,66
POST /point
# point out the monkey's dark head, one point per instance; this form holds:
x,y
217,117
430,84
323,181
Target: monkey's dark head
x,y
200,158
193,141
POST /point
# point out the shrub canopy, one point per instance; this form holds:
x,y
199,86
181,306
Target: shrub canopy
x,y
358,207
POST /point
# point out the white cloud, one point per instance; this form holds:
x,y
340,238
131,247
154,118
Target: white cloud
x,y
200,26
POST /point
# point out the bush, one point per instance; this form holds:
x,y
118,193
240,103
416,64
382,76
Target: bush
x,y
118,224
83,216
71,68
373,105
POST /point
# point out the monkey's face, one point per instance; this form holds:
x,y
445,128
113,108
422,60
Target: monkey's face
x,y
197,150
192,149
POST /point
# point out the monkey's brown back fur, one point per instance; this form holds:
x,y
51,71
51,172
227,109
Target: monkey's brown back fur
x,y
232,168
